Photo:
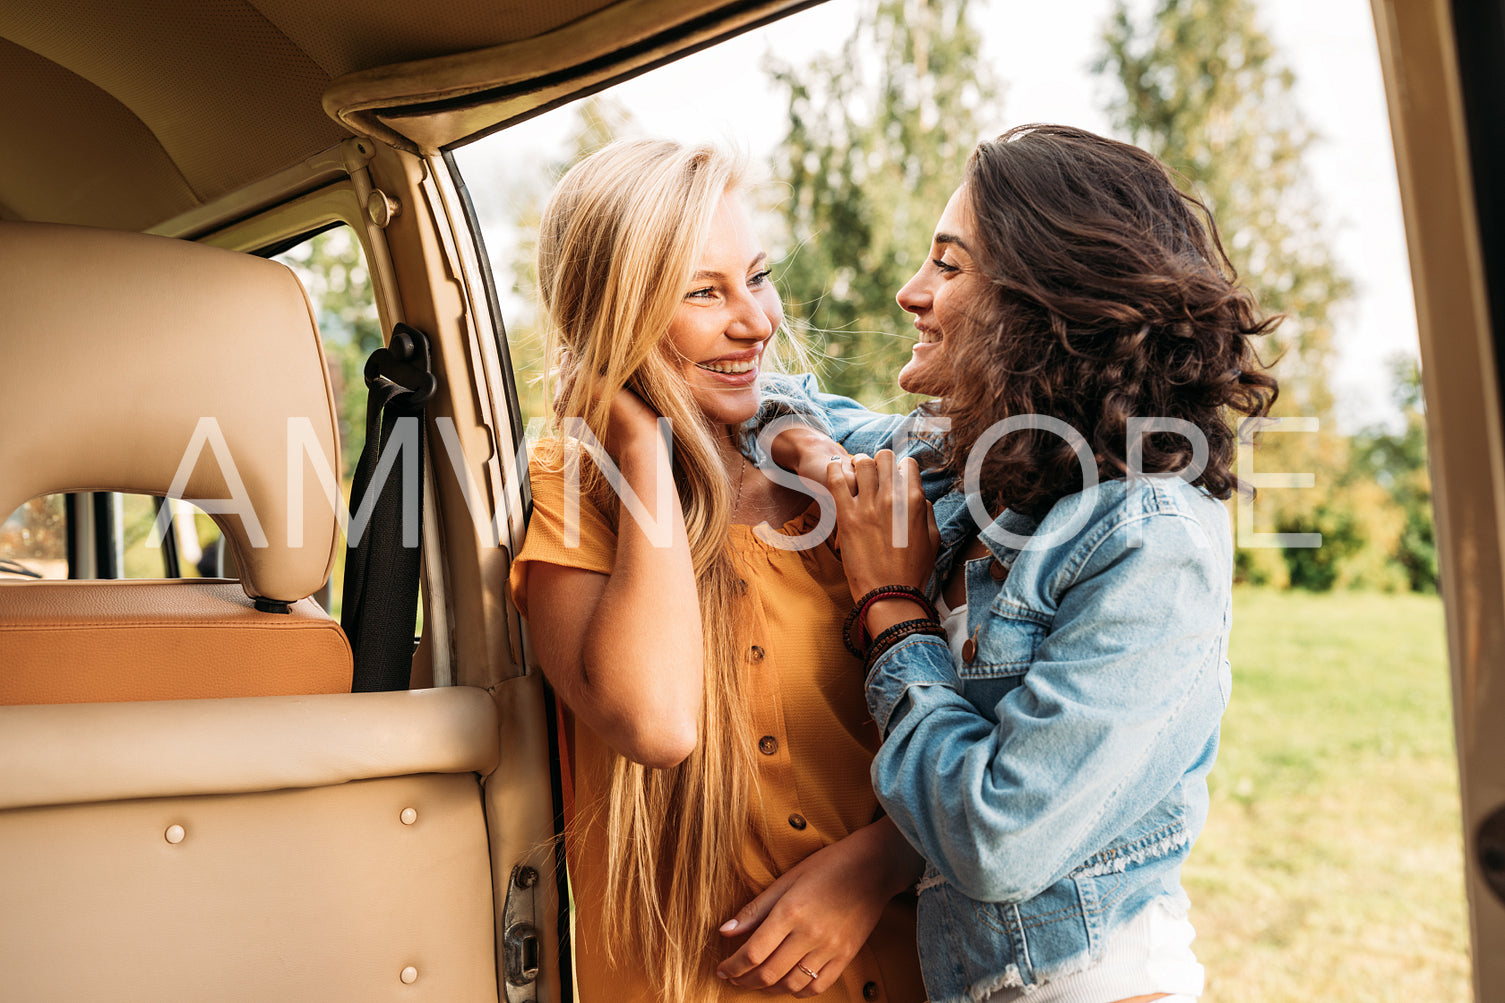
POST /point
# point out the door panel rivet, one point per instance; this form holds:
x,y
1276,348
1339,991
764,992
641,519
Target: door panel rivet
x,y
408,816
174,834
409,975
527,877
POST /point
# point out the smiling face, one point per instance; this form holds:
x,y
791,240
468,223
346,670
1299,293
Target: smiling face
x,y
940,295
729,312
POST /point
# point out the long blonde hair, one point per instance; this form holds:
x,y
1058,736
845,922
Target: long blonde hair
x,y
620,239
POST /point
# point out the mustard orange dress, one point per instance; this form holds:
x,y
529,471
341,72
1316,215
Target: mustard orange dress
x,y
815,743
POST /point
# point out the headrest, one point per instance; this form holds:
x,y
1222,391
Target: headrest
x,y
122,351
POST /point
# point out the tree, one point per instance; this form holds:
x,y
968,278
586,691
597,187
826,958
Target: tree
x,y
36,536
1397,461
1199,84
1203,90
877,138
333,269
598,121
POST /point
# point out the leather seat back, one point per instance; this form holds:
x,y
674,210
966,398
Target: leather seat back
x,y
148,365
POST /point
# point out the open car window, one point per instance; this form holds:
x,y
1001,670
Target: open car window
x,y
332,267
34,540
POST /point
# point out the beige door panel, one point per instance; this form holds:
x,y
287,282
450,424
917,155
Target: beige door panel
x,y
326,893
524,861
79,753
324,848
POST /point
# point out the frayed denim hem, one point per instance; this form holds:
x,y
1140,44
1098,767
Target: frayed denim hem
x,y
932,881
1009,978
1121,861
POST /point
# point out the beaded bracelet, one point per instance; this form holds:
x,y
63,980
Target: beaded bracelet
x,y
858,617
898,632
891,592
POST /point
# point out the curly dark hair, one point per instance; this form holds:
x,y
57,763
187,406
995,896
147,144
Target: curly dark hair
x,y
1111,298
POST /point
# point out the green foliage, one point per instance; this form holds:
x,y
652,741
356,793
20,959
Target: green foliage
x,y
333,269
1318,568
138,514
1203,89
1263,566
878,135
38,529
1418,552
35,537
1397,462
598,121
1200,85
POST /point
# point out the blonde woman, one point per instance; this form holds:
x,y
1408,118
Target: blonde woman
x,y
725,838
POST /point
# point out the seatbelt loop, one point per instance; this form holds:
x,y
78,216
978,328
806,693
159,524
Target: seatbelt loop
x,y
380,601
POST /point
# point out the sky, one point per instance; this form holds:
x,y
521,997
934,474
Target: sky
x,y
1041,53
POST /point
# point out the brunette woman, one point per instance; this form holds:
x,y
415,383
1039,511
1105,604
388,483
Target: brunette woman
x,y
1050,678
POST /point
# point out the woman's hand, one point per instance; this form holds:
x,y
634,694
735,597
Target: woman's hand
x,y
820,913
629,422
888,531
629,419
809,452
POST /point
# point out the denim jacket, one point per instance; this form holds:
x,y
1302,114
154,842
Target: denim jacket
x,y
1055,781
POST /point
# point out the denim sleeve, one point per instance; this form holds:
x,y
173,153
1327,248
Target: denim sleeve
x,y
1112,711
856,428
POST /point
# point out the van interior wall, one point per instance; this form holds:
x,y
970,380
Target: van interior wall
x,y
330,847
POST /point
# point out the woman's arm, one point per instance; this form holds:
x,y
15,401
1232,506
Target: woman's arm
x,y
624,650
820,912
1121,698
851,425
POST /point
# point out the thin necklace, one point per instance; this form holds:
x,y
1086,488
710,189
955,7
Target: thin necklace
x,y
741,476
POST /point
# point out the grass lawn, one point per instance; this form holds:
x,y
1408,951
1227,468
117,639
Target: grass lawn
x,y
1331,866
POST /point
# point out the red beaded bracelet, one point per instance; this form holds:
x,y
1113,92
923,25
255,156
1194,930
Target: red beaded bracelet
x,y
858,617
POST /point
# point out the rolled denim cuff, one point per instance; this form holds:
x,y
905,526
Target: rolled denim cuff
x,y
748,432
918,660
783,397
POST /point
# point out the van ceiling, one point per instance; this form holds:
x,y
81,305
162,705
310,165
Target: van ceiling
x,y
125,113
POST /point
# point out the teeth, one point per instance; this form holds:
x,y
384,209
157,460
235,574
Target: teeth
x,y
729,367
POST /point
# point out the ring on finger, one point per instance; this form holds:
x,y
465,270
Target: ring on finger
x,y
801,966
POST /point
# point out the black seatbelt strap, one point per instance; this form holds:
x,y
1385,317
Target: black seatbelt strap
x,y
379,607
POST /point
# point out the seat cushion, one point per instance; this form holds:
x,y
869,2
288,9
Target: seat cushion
x,y
102,641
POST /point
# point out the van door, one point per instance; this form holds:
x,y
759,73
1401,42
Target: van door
x,y
1444,65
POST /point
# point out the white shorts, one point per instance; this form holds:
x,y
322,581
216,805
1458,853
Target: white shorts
x,y
1149,954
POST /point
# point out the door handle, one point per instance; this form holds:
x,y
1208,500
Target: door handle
x,y
1490,846
522,947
